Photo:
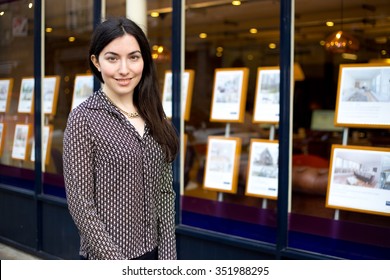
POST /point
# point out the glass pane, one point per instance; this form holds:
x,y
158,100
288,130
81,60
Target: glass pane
x,y
342,233
159,32
16,94
225,45
68,29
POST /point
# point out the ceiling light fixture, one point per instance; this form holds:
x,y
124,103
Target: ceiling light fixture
x,y
340,41
236,3
272,46
203,35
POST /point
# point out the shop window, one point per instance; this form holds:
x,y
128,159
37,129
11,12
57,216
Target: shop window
x,y
224,49
226,38
16,94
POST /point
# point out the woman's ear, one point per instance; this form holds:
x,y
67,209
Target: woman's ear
x,y
95,62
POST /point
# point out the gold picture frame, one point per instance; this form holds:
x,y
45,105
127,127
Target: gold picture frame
x,y
3,127
359,179
6,86
229,95
47,135
363,96
83,88
21,138
267,95
263,169
222,164
51,85
26,96
187,86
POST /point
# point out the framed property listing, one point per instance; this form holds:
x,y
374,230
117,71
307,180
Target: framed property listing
x,y
26,96
263,169
83,88
46,144
266,109
222,164
363,96
21,138
2,137
5,94
51,86
187,84
229,95
359,179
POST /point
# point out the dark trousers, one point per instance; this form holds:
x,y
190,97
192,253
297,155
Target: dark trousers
x,y
152,255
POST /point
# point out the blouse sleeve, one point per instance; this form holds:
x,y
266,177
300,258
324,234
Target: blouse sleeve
x,y
79,185
166,208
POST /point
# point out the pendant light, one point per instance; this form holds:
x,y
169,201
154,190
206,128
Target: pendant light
x,y
340,41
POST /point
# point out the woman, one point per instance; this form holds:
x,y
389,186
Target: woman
x,y
118,150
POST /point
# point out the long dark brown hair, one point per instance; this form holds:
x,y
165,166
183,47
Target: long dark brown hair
x,y
147,97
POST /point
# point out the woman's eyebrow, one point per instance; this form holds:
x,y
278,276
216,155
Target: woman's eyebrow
x,y
131,53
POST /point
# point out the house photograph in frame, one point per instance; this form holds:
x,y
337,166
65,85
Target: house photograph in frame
x,y
21,137
266,109
222,164
187,84
46,139
26,96
83,88
2,137
5,94
363,96
229,95
359,179
263,169
50,87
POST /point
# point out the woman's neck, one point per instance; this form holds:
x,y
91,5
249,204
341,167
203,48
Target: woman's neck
x,y
122,101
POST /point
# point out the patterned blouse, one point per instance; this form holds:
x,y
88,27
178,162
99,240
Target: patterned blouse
x,y
118,184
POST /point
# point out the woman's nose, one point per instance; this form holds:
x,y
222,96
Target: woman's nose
x,y
123,67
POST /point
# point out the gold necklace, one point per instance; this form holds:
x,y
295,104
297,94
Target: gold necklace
x,y
130,115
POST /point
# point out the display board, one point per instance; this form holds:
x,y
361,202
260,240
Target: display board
x,y
363,96
263,169
26,96
5,94
222,164
229,95
359,179
83,88
46,144
266,109
50,87
2,137
187,84
20,144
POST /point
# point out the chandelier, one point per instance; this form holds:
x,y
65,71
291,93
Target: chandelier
x,y
340,41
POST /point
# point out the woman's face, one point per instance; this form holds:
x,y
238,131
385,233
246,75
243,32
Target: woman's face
x,y
121,65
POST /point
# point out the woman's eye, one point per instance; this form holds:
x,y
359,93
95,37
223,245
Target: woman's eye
x,y
112,59
134,57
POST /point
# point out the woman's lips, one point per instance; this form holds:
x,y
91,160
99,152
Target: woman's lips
x,y
123,81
